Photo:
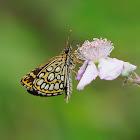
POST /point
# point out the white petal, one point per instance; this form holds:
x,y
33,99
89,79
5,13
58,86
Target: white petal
x,y
90,74
81,71
110,68
134,67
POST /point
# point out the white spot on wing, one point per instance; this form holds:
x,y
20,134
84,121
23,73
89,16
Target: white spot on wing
x,y
49,94
55,93
46,87
43,85
31,89
49,68
57,69
58,77
39,92
56,87
40,82
61,85
51,76
25,86
62,78
41,75
43,93
34,82
51,87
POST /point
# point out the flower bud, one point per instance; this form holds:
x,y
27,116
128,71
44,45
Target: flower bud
x,y
127,70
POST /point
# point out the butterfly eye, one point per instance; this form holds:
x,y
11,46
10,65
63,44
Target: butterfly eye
x,y
66,51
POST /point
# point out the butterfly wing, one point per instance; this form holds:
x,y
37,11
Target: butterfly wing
x,y
47,79
52,77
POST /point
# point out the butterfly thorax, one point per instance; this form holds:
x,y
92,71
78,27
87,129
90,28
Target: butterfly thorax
x,y
69,57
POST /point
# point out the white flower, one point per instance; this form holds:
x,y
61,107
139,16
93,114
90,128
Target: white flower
x,y
97,63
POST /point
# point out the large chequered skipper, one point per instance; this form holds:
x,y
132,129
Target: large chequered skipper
x,y
52,77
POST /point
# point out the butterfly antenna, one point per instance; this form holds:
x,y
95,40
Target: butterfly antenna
x,y
75,41
68,37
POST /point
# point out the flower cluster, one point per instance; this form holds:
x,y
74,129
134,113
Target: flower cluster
x,y
97,63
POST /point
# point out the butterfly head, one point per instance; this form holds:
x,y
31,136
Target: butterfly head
x,y
68,49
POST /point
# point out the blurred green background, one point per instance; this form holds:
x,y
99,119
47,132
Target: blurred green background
x,y
31,32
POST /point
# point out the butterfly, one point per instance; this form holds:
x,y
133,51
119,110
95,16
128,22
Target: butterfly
x,y
52,77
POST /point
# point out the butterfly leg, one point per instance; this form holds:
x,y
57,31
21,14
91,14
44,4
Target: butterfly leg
x,y
74,71
78,61
67,98
72,68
